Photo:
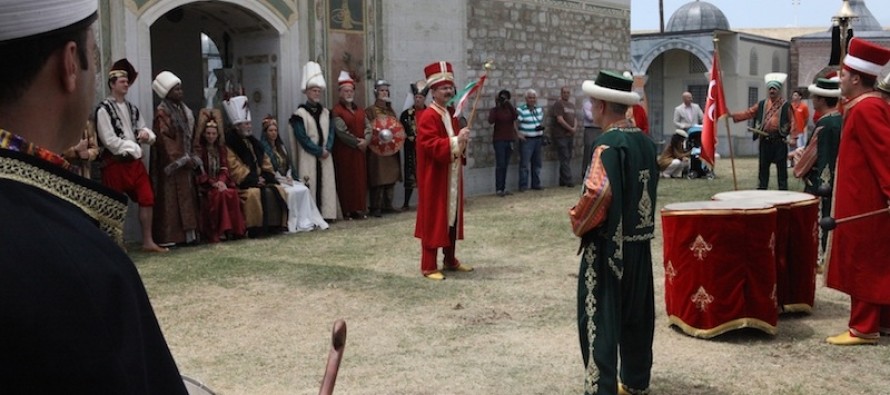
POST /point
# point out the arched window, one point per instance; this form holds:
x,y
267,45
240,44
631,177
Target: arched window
x,y
776,64
752,65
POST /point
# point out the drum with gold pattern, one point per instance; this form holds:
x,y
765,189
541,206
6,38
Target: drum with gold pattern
x,y
719,266
797,244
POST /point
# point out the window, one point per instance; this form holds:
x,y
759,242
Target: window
x,y
699,94
776,64
752,65
753,94
696,66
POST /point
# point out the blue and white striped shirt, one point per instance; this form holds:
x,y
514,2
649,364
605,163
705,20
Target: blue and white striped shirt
x,y
529,119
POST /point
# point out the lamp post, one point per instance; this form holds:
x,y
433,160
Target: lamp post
x,y
843,19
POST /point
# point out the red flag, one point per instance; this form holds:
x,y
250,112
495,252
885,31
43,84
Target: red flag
x,y
715,108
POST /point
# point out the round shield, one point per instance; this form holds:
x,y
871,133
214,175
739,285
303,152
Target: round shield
x,y
387,136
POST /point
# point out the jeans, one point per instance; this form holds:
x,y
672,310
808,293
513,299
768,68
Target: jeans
x,y
564,146
590,135
502,152
530,156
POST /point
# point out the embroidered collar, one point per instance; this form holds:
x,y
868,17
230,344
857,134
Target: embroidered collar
x,y
14,142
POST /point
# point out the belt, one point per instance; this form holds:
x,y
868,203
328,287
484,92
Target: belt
x,y
773,136
118,158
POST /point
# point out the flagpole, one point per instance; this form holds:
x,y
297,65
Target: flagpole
x,y
735,183
487,66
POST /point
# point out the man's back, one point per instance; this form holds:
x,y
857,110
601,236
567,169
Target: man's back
x,y
76,317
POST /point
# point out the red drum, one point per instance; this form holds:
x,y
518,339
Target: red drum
x,y
797,244
719,267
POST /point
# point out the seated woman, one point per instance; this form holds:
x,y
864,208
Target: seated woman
x,y
303,214
220,205
674,160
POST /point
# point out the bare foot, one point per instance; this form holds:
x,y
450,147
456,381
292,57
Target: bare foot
x,y
154,248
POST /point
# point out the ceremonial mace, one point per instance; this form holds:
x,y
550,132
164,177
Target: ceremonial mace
x,y
829,223
489,65
338,343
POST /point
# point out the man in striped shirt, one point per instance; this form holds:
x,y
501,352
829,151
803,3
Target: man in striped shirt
x,y
530,124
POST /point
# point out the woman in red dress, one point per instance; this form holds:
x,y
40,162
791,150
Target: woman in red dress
x,y
220,206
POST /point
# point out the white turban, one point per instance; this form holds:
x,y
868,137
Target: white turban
x,y
164,82
25,18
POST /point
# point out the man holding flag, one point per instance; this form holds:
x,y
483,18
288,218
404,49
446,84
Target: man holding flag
x,y
772,123
441,156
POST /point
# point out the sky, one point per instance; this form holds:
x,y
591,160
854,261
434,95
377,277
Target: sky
x,y
757,13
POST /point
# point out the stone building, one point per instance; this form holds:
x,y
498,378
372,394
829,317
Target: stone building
x,y
260,46
667,64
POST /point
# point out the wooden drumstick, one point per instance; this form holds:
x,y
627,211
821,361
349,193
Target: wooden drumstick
x,y
829,223
338,343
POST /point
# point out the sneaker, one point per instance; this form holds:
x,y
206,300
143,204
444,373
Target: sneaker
x,y
500,193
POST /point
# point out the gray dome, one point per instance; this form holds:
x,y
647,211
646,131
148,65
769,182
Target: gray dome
x,y
697,15
865,22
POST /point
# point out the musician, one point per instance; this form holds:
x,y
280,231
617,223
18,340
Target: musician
x,y
616,302
441,156
772,121
859,254
815,163
383,171
75,315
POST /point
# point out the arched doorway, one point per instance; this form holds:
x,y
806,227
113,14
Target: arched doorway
x,y
671,73
217,49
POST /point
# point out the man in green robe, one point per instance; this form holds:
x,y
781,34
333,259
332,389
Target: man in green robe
x,y
827,138
616,306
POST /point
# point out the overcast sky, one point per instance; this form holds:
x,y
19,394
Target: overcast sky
x,y
757,13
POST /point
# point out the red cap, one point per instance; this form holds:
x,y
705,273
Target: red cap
x,y
866,57
438,73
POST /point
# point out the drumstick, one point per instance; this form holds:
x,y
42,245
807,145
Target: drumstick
x,y
338,343
829,223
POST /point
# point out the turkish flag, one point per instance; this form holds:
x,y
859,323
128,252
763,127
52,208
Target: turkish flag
x,y
715,108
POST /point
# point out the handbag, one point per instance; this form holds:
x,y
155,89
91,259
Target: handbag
x,y
592,207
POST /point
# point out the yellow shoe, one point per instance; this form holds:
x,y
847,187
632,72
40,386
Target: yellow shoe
x,y
621,390
846,339
436,276
460,268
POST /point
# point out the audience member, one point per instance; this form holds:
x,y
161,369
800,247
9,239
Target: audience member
x,y
220,204
302,214
564,126
383,170
173,165
530,122
262,199
353,131
121,131
674,160
503,117
687,113
314,134
591,132
409,122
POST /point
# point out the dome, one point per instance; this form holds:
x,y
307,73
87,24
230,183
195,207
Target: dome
x,y
697,15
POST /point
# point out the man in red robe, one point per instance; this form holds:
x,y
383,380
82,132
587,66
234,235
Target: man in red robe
x,y
441,155
353,132
859,253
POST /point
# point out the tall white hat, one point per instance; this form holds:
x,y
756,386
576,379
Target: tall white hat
x,y
237,109
611,87
25,18
345,79
312,76
164,82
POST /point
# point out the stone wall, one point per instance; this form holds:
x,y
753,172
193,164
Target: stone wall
x,y
544,45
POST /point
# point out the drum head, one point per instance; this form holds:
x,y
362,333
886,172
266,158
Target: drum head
x,y
721,205
195,387
774,197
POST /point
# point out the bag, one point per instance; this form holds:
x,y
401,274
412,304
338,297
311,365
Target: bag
x,y
592,208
